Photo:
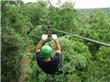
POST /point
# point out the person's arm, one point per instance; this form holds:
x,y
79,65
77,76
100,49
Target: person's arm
x,y
44,37
57,44
39,45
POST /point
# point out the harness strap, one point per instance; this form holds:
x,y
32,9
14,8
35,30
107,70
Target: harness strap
x,y
49,32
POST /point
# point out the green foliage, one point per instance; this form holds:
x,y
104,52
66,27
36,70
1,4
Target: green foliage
x,y
104,62
36,33
82,61
14,41
100,67
10,54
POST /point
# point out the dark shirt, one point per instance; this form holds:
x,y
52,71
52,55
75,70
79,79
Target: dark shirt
x,y
50,67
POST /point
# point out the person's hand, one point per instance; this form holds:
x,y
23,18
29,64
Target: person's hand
x,y
54,36
44,36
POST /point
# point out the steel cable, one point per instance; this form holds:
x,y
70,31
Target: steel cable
x,y
98,42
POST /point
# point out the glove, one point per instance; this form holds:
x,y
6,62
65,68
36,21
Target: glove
x,y
44,36
54,36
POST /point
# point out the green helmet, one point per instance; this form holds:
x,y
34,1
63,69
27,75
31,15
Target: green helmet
x,y
46,51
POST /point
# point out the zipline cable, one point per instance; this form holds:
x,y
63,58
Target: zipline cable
x,y
98,42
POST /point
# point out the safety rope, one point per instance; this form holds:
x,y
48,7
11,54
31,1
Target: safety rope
x,y
98,42
49,32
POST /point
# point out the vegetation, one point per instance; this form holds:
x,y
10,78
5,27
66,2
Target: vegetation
x,y
82,61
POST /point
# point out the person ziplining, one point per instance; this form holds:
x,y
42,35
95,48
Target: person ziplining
x,y
47,60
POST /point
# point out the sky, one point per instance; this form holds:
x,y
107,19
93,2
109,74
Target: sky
x,y
82,3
